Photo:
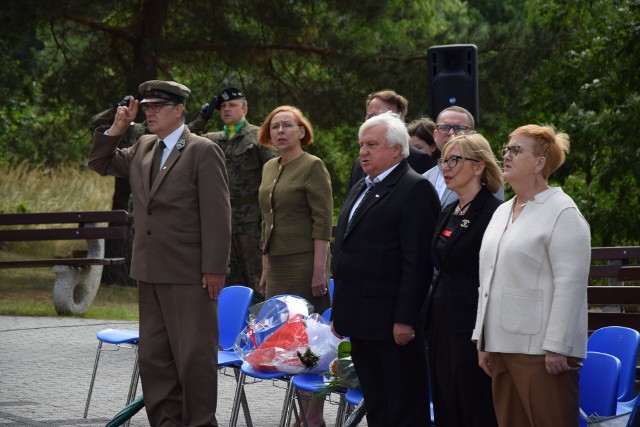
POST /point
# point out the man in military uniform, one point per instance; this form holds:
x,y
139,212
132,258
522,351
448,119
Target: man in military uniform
x,y
245,157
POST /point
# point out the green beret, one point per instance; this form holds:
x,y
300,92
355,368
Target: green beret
x,y
163,91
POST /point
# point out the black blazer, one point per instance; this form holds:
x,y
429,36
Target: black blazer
x,y
382,268
457,269
418,160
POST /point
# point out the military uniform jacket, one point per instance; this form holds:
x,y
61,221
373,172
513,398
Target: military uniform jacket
x,y
245,157
183,226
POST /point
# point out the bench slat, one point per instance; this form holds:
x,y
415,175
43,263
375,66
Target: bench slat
x,y
613,295
630,273
616,252
600,320
608,271
75,233
77,262
114,217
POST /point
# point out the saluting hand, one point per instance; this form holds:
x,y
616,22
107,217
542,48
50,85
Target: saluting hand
x,y
124,116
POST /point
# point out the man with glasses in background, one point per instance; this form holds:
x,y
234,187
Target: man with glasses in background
x,y
180,250
381,102
451,121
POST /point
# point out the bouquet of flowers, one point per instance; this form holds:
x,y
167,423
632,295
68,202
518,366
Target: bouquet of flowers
x,y
283,335
342,374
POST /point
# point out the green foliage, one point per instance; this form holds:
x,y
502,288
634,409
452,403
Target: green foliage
x,y
571,64
338,148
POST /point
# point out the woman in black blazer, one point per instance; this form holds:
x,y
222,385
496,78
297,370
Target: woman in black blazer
x,y
461,390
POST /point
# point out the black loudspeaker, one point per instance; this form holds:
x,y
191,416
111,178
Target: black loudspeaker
x,y
453,78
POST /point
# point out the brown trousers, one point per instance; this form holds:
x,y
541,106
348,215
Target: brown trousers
x,y
525,395
178,354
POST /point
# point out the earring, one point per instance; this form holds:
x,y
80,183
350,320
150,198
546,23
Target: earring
x,y
535,182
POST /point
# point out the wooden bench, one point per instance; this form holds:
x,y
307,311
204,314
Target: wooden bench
x,y
77,277
610,303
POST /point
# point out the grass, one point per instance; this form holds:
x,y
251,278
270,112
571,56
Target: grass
x,y
28,292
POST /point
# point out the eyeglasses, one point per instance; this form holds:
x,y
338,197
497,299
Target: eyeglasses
x,y
457,129
452,161
154,107
284,125
514,150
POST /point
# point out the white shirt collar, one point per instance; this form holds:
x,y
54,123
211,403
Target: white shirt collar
x,y
170,141
380,177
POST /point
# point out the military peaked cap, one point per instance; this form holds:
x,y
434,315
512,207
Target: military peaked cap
x,y
164,91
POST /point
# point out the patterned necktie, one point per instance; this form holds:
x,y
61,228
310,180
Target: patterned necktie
x,y
370,188
157,159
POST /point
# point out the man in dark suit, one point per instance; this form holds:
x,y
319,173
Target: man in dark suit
x,y
382,269
389,100
180,250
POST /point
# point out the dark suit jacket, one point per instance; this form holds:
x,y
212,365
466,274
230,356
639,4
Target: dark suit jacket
x,y
457,269
183,219
418,160
382,267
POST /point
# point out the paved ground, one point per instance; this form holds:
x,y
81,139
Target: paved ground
x,y
45,370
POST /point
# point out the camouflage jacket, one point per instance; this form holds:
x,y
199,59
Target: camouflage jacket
x,y
245,157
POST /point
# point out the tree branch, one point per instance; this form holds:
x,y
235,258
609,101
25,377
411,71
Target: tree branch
x,y
114,32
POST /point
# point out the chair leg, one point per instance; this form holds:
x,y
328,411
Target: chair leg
x,y
93,378
287,401
243,401
356,416
133,387
237,399
342,407
291,408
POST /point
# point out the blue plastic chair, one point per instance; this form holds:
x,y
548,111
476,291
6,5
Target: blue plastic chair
x,y
246,370
233,310
120,338
354,397
599,384
313,383
331,286
624,344
628,406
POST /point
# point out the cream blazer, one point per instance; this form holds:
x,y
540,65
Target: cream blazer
x,y
533,279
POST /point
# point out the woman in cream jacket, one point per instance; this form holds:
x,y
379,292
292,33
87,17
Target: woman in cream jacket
x,y
531,325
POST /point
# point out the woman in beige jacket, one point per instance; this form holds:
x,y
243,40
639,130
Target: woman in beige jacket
x,y
531,326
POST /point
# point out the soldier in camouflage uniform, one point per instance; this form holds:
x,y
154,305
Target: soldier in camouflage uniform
x,y
245,157
119,274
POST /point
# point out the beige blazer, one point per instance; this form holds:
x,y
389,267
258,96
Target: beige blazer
x,y
533,279
183,220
